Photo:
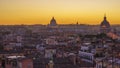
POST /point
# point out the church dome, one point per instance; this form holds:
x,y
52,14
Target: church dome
x,y
105,23
105,26
53,22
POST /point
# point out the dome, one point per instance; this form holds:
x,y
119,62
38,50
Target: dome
x,y
105,23
53,22
105,26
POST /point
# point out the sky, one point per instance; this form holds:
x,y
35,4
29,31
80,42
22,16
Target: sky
x,y
29,12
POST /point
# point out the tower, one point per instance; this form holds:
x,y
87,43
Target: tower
x,y
105,25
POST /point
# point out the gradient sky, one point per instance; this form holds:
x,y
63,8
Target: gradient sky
x,y
64,11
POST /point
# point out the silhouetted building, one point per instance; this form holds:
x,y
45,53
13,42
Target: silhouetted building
x,y
105,26
53,22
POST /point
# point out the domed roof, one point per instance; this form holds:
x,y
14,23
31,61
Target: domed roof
x,y
105,23
53,22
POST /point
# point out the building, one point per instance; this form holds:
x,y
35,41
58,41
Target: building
x,y
105,26
16,62
53,22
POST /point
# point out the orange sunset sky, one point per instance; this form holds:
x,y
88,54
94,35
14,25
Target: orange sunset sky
x,y
65,11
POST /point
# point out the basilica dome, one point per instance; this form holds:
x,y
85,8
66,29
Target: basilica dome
x,y
105,26
53,22
105,23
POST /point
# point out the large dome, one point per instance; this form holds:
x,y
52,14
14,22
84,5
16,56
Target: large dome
x,y
105,23
105,26
53,22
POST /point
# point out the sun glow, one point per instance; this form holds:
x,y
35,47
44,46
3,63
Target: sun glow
x,y
64,11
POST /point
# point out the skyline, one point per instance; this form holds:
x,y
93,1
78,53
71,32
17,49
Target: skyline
x,y
65,11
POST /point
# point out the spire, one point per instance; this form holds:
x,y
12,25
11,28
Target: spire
x,y
105,16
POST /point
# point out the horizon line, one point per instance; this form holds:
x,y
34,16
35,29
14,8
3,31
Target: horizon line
x,y
47,24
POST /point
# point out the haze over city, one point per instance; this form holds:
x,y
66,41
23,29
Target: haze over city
x,y
65,11
59,34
